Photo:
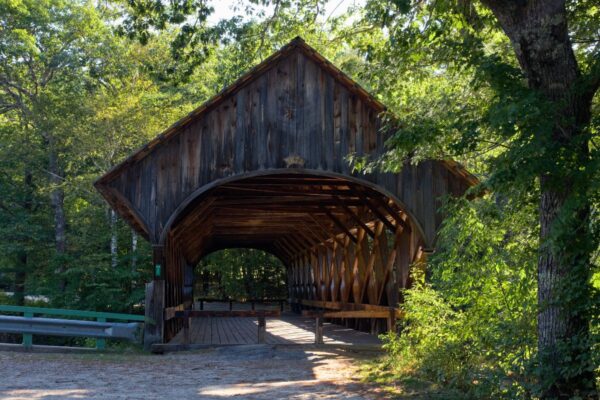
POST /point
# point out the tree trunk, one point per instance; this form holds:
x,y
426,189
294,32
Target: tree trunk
x,y
114,256
134,248
20,277
539,34
21,272
57,200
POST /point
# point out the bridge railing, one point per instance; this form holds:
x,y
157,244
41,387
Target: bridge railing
x,y
201,301
29,323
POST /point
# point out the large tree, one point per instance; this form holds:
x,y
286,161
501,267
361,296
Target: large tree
x,y
539,121
50,56
539,33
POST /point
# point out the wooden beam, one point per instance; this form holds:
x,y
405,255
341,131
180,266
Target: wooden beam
x,y
340,225
302,241
281,252
348,314
287,241
327,231
312,241
376,211
322,238
170,312
340,306
226,314
288,180
269,190
290,201
355,217
399,220
284,246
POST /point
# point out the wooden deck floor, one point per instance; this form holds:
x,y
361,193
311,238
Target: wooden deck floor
x,y
289,329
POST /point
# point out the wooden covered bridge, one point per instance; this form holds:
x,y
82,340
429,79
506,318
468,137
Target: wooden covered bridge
x,y
264,165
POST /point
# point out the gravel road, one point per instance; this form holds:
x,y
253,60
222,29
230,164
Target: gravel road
x,y
243,372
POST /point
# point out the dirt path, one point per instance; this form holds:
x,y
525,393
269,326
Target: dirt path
x,y
248,372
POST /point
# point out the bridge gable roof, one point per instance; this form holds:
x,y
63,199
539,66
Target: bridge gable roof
x,y
296,45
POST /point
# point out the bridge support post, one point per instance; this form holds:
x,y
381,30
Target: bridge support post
x,y
319,330
155,304
262,328
155,301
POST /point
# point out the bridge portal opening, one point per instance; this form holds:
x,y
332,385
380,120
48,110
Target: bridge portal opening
x,y
324,242
240,275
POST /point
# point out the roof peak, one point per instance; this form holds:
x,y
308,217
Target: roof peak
x,y
296,43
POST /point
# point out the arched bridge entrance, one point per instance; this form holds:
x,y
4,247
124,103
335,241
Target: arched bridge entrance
x,y
263,165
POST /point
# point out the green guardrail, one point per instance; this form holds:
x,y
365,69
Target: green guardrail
x,y
30,312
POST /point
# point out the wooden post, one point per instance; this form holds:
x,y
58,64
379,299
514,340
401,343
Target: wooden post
x,y
391,321
188,284
155,304
262,328
319,330
230,305
186,329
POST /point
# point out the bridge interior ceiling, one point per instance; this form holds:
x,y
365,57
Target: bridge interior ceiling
x,y
282,214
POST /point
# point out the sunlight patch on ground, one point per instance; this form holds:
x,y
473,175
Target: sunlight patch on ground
x,y
33,394
238,389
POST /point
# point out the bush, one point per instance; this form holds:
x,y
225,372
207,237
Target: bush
x,y
471,327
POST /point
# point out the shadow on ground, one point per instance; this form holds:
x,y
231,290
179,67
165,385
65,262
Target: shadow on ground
x,y
249,372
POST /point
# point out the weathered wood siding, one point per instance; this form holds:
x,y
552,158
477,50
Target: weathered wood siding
x,y
295,114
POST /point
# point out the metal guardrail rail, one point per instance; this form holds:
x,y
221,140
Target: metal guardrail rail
x,y
69,327
29,325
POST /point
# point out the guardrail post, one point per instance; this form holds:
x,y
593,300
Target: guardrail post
x,y
27,337
101,343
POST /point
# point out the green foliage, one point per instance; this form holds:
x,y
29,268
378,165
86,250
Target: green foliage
x,y
472,326
241,274
249,33
465,95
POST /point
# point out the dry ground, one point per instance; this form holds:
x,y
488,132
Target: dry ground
x,y
244,372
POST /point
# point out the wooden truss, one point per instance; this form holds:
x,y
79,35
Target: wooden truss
x,y
347,247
